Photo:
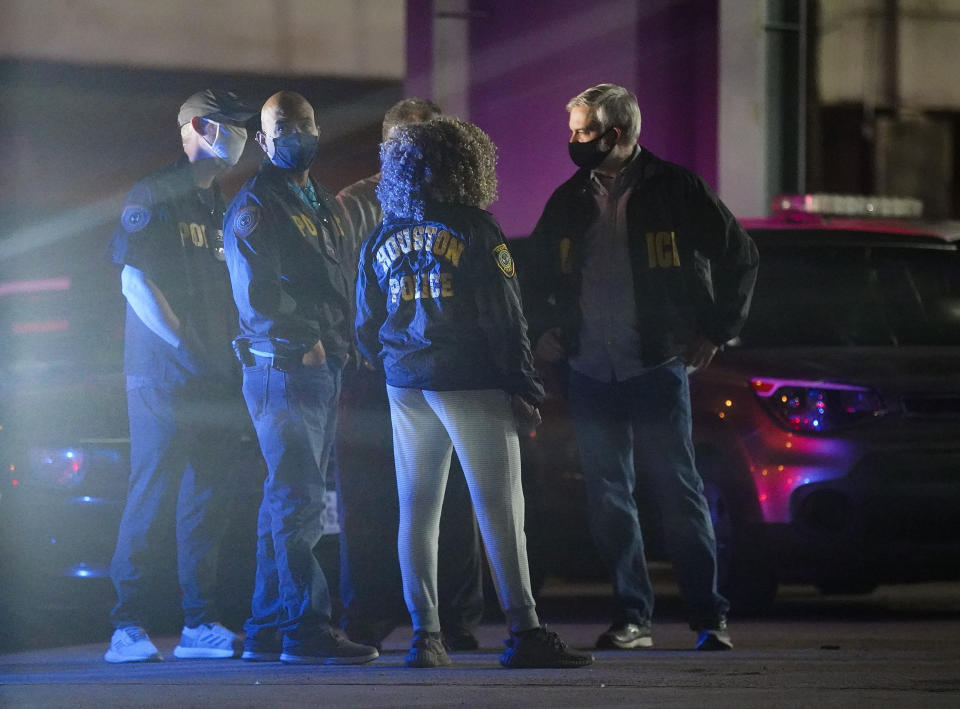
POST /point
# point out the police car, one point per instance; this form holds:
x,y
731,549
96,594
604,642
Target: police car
x,y
828,433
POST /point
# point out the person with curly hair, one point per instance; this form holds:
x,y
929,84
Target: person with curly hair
x,y
370,585
438,305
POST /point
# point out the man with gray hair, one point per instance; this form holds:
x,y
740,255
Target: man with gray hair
x,y
369,567
645,274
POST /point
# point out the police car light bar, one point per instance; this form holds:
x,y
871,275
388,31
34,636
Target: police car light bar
x,y
848,205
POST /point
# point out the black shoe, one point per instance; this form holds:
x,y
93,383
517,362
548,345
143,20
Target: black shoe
x,y
714,639
263,647
329,647
541,648
363,638
372,632
427,651
625,636
253,652
460,640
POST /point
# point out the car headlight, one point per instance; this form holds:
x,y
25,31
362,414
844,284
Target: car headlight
x,y
811,406
61,468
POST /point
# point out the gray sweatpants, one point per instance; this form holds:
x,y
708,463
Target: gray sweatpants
x,y
427,426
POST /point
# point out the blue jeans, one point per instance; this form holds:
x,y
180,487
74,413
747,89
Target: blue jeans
x,y
183,441
655,408
295,415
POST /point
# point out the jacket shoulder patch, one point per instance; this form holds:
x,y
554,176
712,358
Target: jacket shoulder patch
x,y
135,217
246,220
501,254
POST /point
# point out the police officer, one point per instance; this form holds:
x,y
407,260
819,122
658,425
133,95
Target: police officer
x,y
369,569
438,305
295,308
181,381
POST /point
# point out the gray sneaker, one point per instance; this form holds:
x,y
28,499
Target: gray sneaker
x,y
206,642
625,636
329,647
427,650
132,644
714,639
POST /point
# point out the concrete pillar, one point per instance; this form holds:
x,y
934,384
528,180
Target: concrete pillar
x,y
742,149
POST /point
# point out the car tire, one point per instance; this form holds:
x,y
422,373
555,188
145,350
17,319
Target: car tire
x,y
744,576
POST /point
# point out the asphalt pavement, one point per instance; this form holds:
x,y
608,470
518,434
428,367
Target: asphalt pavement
x,y
896,647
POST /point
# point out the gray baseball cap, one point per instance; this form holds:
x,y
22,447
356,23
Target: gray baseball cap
x,y
217,105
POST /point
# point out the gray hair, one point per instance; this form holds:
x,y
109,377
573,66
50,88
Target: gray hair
x,y
611,105
444,159
409,110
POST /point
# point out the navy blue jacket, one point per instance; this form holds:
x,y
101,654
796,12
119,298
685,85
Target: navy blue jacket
x,y
438,302
287,279
693,265
170,229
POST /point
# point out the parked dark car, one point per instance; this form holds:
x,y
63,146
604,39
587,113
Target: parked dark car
x,y
828,434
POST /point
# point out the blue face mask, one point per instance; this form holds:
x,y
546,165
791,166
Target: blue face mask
x,y
295,152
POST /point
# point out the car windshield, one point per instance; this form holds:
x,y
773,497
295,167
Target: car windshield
x,y
818,294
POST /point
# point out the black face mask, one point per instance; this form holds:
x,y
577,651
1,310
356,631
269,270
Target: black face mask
x,y
295,152
589,154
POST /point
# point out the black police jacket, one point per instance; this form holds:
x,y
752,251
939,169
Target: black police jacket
x,y
170,229
287,279
438,302
693,265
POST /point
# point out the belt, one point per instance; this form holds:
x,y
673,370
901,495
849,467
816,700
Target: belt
x,y
250,357
284,362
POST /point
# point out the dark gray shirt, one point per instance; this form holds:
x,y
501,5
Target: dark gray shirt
x,y
609,338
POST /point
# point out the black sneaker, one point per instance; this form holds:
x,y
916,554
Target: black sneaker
x,y
257,652
329,647
714,639
460,640
625,636
427,651
369,632
541,648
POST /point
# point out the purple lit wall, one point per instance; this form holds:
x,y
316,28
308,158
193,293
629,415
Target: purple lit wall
x,y
528,58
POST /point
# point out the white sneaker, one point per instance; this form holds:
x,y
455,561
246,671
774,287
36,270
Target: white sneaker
x,y
208,641
132,644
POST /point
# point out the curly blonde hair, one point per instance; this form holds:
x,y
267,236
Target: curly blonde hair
x,y
444,160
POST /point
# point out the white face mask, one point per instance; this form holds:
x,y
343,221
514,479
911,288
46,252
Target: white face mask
x,y
228,143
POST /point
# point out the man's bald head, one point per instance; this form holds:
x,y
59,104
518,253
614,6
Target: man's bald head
x,y
287,120
287,108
